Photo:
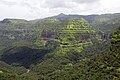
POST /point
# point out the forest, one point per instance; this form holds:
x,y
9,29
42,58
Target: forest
x,y
61,47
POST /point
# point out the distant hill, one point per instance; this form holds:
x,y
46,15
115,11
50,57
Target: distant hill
x,y
96,21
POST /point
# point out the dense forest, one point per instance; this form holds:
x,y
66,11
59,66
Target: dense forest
x,y
62,47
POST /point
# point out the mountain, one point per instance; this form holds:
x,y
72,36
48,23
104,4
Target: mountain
x,y
102,64
75,33
60,47
75,65
62,16
13,21
98,21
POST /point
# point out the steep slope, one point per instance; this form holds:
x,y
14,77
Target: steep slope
x,y
104,65
18,30
75,34
60,47
15,30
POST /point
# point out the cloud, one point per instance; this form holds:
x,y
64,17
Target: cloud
x,y
55,4
85,1
32,9
67,3
8,2
29,5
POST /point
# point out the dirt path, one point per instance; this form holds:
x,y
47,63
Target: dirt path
x,y
27,71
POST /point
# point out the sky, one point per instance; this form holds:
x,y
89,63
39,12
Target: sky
x,y
37,9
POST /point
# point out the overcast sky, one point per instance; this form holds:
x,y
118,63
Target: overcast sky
x,y
35,9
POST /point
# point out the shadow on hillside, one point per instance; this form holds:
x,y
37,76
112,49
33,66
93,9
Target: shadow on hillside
x,y
23,56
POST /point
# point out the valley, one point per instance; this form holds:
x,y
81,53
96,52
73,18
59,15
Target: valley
x,y
61,47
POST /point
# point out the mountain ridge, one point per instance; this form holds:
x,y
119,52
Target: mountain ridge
x,y
61,47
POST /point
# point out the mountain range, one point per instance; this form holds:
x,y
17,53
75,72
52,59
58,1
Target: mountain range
x,y
62,47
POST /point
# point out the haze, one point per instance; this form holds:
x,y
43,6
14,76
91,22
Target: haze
x,y
35,9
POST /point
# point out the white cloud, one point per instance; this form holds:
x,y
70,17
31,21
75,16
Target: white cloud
x,y
29,9
4,2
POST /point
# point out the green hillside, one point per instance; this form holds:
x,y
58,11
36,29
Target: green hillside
x,y
62,47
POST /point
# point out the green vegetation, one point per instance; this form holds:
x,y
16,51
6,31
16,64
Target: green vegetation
x,y
62,47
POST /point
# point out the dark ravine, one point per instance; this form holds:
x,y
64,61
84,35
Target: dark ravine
x,y
23,56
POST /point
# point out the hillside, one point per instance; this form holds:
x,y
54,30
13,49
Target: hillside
x,y
75,34
61,47
75,65
102,22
